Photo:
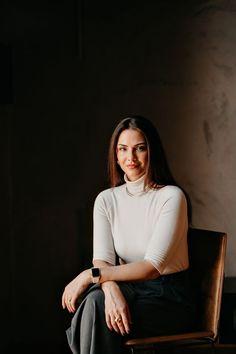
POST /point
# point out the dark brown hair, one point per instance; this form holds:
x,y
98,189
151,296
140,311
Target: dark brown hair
x,y
158,171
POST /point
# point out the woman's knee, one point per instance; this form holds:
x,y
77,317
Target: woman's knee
x,y
95,299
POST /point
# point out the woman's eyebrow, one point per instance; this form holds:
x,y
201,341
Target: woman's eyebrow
x,y
143,143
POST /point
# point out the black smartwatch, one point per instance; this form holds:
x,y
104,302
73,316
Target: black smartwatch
x,y
95,273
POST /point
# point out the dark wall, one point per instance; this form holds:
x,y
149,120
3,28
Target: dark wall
x,y
77,67
44,195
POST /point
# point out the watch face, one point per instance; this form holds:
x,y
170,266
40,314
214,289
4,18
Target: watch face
x,y
95,272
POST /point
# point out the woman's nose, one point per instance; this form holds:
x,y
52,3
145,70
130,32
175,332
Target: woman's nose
x,y
131,156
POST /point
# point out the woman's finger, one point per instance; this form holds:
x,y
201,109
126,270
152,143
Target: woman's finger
x,y
120,323
114,324
118,320
127,320
70,304
108,321
125,323
67,301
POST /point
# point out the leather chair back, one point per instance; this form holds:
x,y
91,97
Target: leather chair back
x,y
207,255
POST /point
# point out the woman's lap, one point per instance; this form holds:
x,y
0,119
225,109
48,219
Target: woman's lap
x,y
157,307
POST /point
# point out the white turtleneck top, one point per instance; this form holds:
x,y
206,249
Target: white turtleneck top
x,y
137,225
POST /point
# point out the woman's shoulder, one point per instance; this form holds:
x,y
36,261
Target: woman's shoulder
x,y
107,194
103,194
171,191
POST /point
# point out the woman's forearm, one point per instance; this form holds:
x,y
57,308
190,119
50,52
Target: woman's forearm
x,y
106,285
141,270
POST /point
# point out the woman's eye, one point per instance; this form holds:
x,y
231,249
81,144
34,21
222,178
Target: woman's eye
x,y
141,148
122,148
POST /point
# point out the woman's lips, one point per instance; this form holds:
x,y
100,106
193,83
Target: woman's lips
x,y
132,166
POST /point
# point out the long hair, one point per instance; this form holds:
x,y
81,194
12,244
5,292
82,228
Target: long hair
x,y
158,172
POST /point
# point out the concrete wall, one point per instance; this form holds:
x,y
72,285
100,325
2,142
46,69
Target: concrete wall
x,y
77,70
205,122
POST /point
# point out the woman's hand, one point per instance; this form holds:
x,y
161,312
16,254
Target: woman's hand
x,y
116,308
74,289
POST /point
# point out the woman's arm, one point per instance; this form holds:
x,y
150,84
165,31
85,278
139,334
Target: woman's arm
x,y
115,303
140,270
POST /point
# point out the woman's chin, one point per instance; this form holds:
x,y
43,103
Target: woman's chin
x,y
134,176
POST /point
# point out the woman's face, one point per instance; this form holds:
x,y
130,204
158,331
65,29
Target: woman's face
x,y
132,153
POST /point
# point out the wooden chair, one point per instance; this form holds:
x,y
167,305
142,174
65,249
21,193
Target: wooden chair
x,y
207,258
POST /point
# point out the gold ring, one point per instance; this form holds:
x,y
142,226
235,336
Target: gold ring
x,y
118,319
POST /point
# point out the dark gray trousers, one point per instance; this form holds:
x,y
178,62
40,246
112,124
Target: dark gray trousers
x,y
160,306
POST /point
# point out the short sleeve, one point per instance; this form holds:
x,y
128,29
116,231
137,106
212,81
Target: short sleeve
x,y
170,231
103,245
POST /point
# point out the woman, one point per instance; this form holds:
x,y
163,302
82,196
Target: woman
x,y
140,250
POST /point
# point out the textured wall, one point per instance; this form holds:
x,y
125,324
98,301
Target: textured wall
x,y
206,123
175,64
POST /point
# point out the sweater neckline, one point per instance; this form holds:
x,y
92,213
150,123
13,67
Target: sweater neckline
x,y
135,188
